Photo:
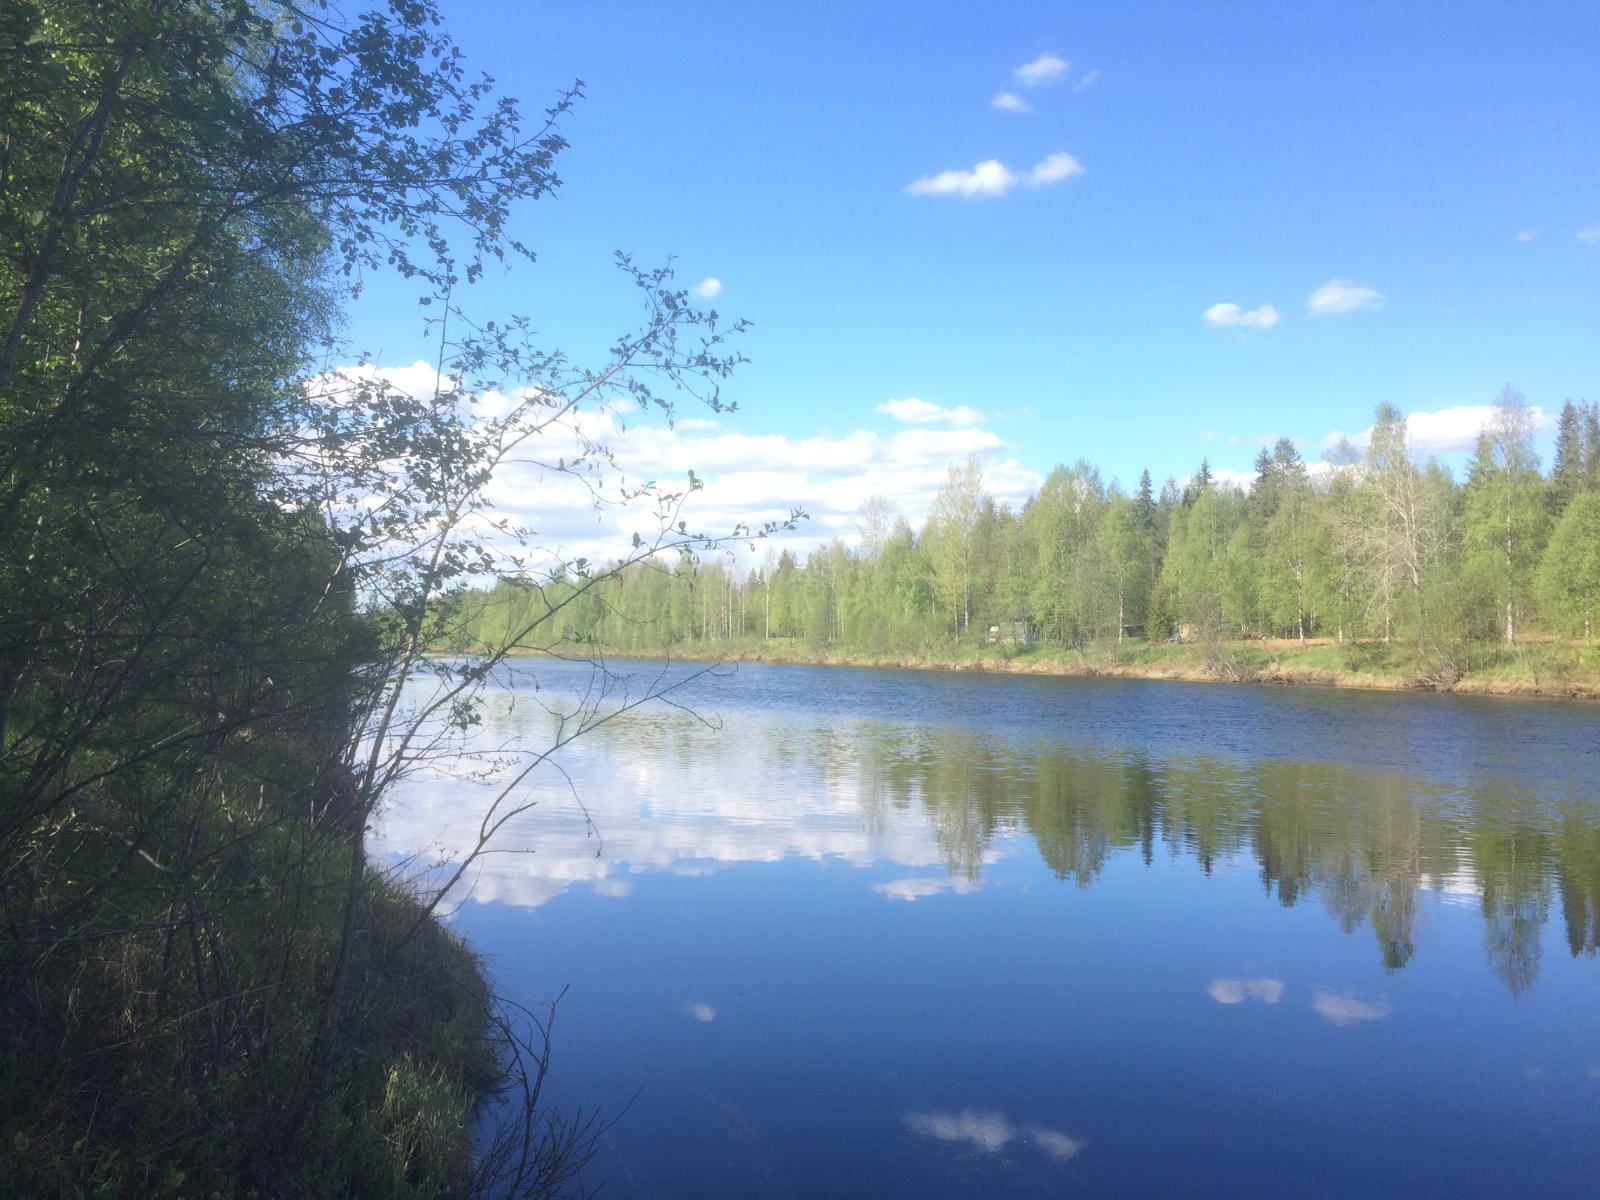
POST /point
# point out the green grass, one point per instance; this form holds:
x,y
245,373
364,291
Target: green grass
x,y
1545,668
124,1102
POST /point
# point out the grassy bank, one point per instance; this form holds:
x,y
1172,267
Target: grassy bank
x,y
135,1097
1548,669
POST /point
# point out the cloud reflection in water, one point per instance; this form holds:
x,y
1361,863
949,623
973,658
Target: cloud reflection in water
x,y
991,1132
1237,991
939,805
1344,1009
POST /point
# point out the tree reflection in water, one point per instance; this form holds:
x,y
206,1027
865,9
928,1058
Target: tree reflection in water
x,y
668,793
1365,843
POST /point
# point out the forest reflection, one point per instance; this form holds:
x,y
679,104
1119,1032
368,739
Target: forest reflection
x,y
669,794
1364,844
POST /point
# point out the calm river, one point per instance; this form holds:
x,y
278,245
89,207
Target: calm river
x,y
837,932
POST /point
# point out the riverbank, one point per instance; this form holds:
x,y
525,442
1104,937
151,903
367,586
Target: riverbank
x,y
1548,669
385,1109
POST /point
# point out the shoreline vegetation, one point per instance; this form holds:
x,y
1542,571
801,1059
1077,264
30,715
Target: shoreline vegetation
x,y
1370,568
1536,670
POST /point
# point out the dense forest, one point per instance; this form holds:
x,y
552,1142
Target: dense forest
x,y
1365,546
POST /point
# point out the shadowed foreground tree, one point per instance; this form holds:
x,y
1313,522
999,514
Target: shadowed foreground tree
x,y
222,567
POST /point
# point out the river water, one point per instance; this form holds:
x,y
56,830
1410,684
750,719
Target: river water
x,y
839,932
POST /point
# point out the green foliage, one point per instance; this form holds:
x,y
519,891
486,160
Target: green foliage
x,y
220,569
1373,546
1569,579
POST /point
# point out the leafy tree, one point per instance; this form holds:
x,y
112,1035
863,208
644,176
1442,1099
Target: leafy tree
x,y
1505,514
1569,575
1400,526
1591,445
224,573
953,529
1125,548
1293,549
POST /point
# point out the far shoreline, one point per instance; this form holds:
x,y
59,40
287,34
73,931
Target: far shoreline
x,y
1284,664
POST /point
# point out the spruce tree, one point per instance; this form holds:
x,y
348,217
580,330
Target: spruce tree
x,y
1145,500
1566,476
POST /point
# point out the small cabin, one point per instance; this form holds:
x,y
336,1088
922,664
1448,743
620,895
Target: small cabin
x,y
1012,633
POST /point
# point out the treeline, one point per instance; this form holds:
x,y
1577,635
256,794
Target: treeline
x,y
1367,545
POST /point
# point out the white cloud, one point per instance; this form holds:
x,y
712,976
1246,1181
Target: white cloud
x,y
1342,296
703,1013
1527,235
1227,477
1344,1010
1087,80
1226,314
707,289
1443,431
1010,102
1046,69
1053,170
915,411
748,478
993,178
989,178
1237,991
1590,236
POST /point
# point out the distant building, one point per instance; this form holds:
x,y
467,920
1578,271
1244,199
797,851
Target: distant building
x,y
1012,633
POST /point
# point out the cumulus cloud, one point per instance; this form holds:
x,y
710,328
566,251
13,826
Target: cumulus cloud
x,y
1342,296
1343,1009
747,478
1590,236
1237,991
993,178
1010,102
1054,169
915,411
707,289
1443,431
1046,69
988,178
991,1132
1527,235
703,1013
1239,481
1227,314
1087,80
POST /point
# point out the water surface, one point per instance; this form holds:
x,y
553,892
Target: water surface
x,y
872,933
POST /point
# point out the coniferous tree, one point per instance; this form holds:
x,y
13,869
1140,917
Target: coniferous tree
x,y
1567,472
1145,501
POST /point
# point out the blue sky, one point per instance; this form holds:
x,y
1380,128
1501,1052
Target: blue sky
x,y
1219,154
